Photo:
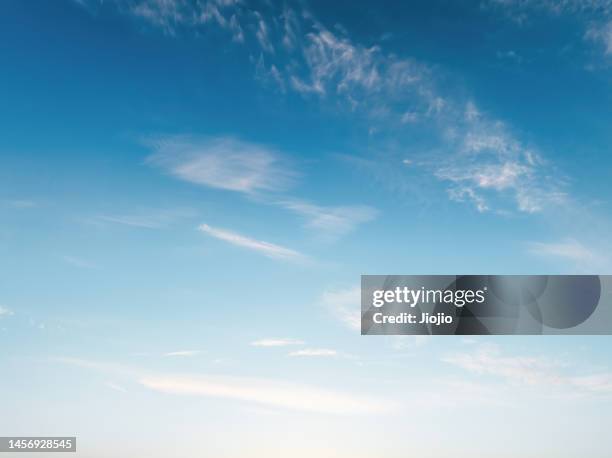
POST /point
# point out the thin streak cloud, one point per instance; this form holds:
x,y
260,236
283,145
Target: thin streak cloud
x,y
568,249
276,342
272,393
183,353
266,248
325,352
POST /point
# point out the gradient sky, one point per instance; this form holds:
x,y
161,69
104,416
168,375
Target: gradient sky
x,y
189,192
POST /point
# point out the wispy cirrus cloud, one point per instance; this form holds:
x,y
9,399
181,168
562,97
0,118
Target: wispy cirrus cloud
x,y
276,342
601,33
115,387
269,392
569,249
273,393
4,311
332,221
596,15
483,161
401,343
144,218
528,370
492,163
20,203
345,305
170,15
222,162
183,353
320,352
79,262
301,54
235,165
266,248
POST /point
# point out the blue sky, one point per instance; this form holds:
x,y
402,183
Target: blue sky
x,y
190,191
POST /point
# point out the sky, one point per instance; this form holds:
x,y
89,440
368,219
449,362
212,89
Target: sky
x,y
190,191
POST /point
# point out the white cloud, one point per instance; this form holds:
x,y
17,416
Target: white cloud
x,y
334,221
409,342
5,312
145,218
291,27
116,387
267,249
488,361
601,33
492,163
21,203
267,392
276,342
599,383
325,352
222,163
183,353
170,15
532,371
79,262
568,249
336,61
262,34
214,11
482,161
409,117
595,14
345,304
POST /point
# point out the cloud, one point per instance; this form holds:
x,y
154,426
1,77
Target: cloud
x,y
79,262
145,218
21,203
4,312
162,13
490,160
602,7
595,14
481,159
267,249
262,34
230,164
527,370
266,392
333,221
226,17
171,15
409,342
568,249
222,163
394,93
489,361
334,61
115,387
325,352
601,33
276,342
291,26
345,305
183,353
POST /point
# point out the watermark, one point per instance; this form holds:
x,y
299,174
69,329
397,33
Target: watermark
x,y
486,304
37,444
